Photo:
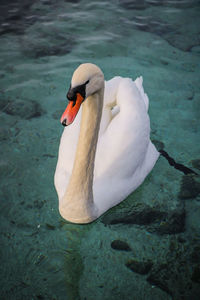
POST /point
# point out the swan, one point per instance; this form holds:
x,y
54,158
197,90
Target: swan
x,y
106,153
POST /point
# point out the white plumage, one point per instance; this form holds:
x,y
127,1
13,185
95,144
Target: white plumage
x,y
124,156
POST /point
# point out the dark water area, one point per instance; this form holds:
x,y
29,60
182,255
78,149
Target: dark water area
x,y
146,248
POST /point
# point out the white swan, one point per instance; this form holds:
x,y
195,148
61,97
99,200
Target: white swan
x,y
106,153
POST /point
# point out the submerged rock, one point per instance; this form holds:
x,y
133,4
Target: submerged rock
x,y
190,94
160,277
40,41
50,226
44,48
174,223
120,245
6,168
4,134
153,218
196,274
195,255
196,163
22,108
190,187
181,41
140,215
176,273
140,267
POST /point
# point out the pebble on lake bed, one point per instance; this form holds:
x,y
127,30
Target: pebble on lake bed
x,y
190,187
140,267
120,245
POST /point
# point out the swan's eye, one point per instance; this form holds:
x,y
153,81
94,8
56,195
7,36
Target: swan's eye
x,y
87,82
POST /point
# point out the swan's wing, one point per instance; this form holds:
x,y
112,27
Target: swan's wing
x,y
110,109
139,84
111,89
122,147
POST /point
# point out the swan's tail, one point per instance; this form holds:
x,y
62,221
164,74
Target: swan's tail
x,y
139,84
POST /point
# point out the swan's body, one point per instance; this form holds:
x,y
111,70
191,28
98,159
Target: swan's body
x,y
103,157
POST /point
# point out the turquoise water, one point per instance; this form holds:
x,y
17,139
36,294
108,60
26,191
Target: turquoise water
x,y
148,247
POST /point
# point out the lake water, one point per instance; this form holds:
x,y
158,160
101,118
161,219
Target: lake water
x,y
148,247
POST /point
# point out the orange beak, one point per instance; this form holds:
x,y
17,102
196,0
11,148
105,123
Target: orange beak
x,y
71,111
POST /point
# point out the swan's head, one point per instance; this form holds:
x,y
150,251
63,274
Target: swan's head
x,y
87,79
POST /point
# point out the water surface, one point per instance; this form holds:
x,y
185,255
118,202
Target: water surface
x,y
146,248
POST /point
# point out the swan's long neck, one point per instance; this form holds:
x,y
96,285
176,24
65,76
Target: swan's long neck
x,y
78,198
82,174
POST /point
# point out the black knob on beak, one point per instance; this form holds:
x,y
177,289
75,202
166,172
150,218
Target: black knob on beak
x,y
64,122
71,95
